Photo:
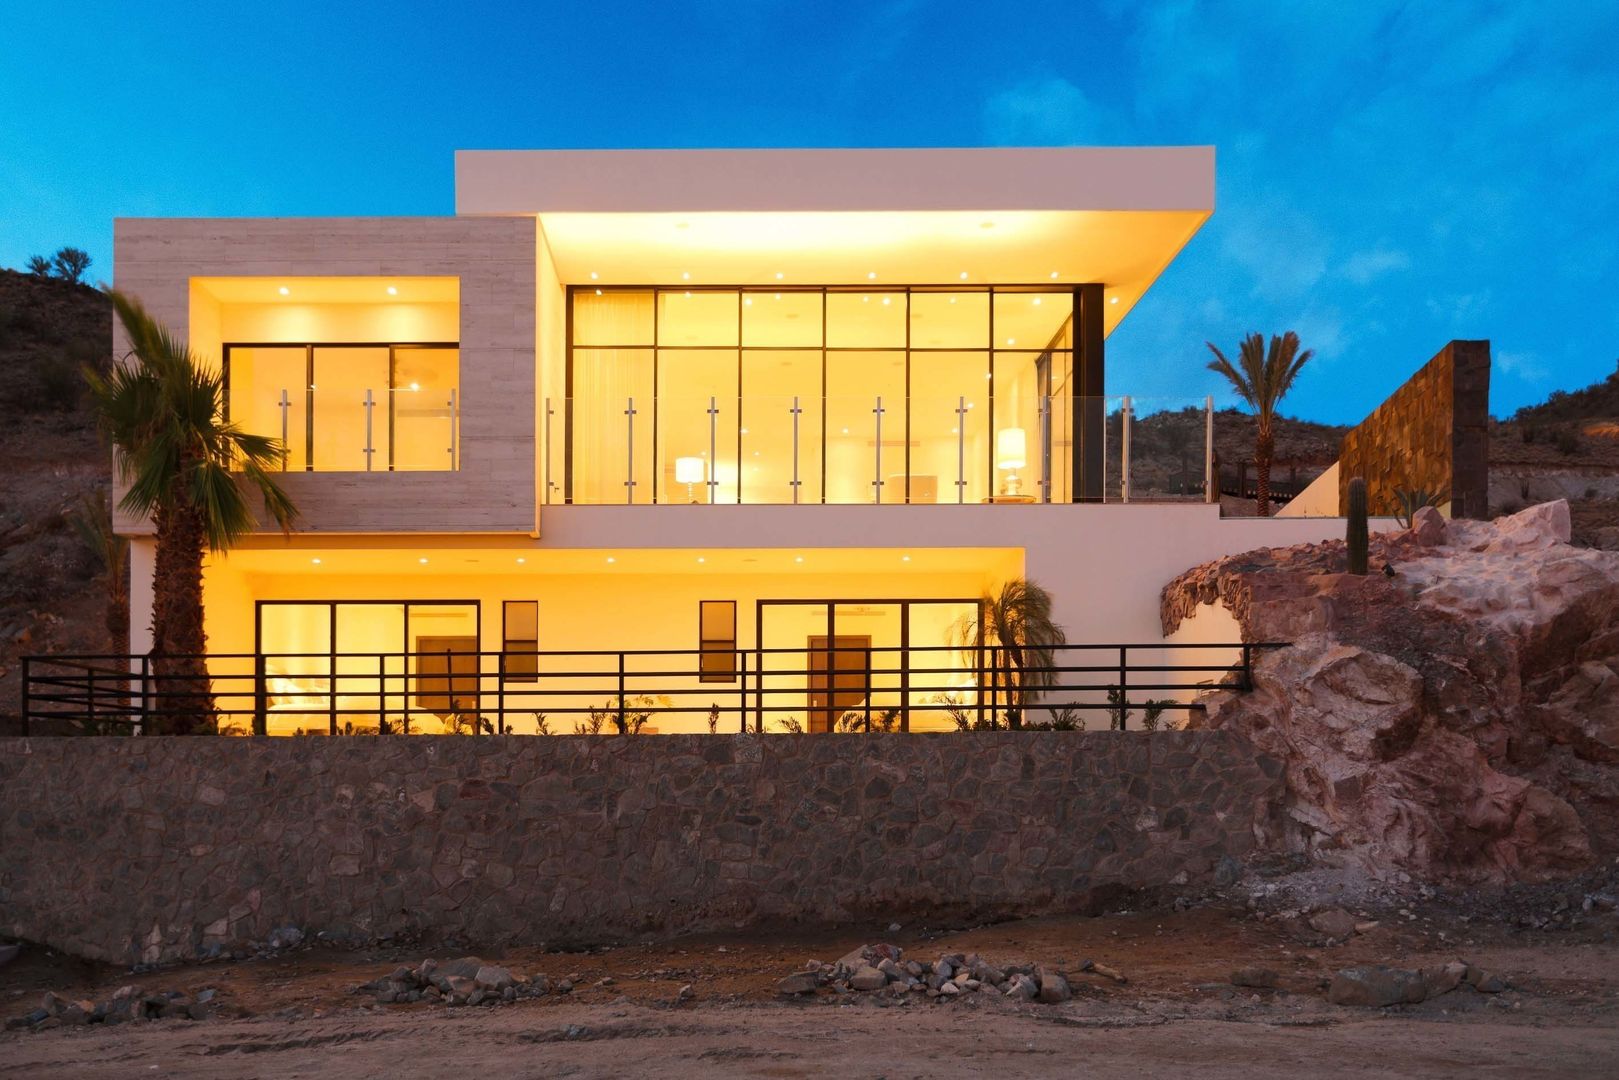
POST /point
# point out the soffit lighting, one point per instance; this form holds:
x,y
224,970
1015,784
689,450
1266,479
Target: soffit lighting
x,y
685,275
964,275
283,290
611,559
315,561
904,558
778,275
872,276
598,292
593,275
1054,275
422,560
701,559
392,291
521,560
798,558
1113,300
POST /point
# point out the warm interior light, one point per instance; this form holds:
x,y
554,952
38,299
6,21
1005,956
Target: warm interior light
x,y
964,275
1011,341
778,275
1054,275
689,470
1113,300
392,291
685,275
521,560
611,559
798,558
1037,301
315,561
415,386
422,560
1011,453
283,290
701,559
904,558
598,292
872,276
593,275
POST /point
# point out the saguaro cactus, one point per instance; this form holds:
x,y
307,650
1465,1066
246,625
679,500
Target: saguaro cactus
x,y
1356,534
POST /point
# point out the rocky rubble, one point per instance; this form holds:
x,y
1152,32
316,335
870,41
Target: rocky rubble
x,y
1453,715
127,1005
882,968
1377,985
467,981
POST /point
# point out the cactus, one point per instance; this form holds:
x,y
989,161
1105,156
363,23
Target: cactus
x,y
1356,534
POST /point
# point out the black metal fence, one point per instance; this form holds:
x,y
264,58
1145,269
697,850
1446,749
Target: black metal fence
x,y
837,687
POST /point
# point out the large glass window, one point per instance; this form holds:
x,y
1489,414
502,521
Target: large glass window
x,y
688,394
341,407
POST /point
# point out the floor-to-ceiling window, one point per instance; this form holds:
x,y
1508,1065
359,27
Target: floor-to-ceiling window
x,y
809,394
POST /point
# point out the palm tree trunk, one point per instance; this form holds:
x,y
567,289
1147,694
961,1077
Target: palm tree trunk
x,y
185,703
1263,450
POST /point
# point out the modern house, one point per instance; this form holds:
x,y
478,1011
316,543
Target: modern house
x,y
727,437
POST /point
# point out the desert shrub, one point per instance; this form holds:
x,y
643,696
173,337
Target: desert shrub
x,y
50,384
1566,442
39,266
70,263
1152,713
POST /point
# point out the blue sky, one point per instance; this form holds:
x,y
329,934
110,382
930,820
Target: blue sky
x,y
1391,175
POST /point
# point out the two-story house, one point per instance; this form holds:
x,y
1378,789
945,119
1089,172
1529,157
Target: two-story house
x,y
741,436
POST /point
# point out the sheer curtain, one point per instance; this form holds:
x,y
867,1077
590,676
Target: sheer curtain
x,y
612,362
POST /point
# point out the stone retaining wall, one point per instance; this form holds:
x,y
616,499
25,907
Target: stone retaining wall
x,y
153,850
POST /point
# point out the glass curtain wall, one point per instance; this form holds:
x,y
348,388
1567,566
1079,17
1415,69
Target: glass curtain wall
x,y
837,395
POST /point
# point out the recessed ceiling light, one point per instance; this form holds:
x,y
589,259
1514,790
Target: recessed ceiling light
x,y
744,431
598,292
778,297
701,559
593,275
688,294
846,431
904,558
1054,275
392,291
1113,300
315,561
685,275
611,559
1037,301
885,301
964,275
952,299
747,301
872,276
1011,341
521,560
798,558
283,290
865,299
422,560
778,275
415,386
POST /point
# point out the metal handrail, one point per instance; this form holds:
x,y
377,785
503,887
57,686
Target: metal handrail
x,y
81,688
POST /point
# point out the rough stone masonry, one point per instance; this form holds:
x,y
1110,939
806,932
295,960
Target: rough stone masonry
x,y
150,850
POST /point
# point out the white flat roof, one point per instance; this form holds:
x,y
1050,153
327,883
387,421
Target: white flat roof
x,y
698,181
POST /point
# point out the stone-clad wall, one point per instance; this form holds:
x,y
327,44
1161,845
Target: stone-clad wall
x,y
157,849
1431,433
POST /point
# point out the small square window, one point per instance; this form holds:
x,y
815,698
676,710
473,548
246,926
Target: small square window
x,y
520,637
716,634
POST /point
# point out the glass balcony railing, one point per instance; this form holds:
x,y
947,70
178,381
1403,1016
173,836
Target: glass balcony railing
x,y
363,429
810,449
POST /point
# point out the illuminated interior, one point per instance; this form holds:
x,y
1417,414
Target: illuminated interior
x,y
331,626
763,387
352,374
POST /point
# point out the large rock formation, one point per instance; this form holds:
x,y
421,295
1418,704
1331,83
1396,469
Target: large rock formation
x,y
1454,713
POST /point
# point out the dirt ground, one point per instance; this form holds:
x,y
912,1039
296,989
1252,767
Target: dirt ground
x,y
1178,1013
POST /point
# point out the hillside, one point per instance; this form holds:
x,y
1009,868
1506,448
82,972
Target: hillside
x,y
51,594
1567,447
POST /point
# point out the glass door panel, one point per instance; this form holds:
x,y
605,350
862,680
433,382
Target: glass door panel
x,y
862,676
258,379
605,381
444,662
366,696
942,692
787,633
690,381
949,427
856,455
425,397
344,377
295,642
771,381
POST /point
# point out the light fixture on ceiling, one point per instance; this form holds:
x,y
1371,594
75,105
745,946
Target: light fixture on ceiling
x,y
779,275
521,560
798,558
1054,275
747,301
283,290
1011,341
685,275
392,291
701,559
611,559
1113,300
415,386
964,275
904,558
598,292
1037,301
422,560
872,276
315,561
885,301
593,275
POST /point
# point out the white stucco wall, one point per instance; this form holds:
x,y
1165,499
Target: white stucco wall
x,y
1320,499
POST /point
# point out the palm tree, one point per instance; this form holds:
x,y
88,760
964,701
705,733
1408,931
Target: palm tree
x,y
1261,379
162,410
1017,626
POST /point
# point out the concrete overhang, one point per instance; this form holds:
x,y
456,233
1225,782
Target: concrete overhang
x,y
1115,215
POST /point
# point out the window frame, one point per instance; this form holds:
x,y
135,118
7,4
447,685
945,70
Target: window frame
x,y
708,648
529,656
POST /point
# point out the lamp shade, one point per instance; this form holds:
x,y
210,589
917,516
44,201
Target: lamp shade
x,y
689,470
1011,448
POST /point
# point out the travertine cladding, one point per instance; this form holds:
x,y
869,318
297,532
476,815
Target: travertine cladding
x,y
495,261
156,849
1431,433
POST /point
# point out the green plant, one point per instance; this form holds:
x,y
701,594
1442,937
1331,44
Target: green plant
x,y
162,410
1063,718
1356,536
463,721
542,723
1152,712
591,723
713,719
628,715
1409,500
1016,625
1262,379
792,725
1119,713
70,263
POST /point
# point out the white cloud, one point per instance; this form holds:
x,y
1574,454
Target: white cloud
x,y
1523,365
1045,112
1363,267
